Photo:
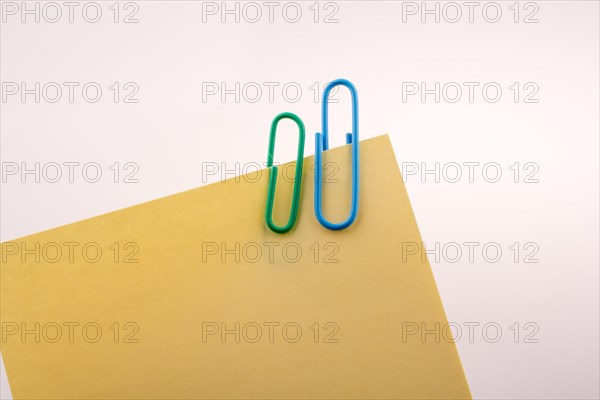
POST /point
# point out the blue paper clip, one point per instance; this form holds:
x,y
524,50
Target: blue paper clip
x,y
322,144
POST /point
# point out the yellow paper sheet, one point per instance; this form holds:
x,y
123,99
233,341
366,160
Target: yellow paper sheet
x,y
195,298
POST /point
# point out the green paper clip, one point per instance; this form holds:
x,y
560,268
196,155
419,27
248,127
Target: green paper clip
x,y
273,174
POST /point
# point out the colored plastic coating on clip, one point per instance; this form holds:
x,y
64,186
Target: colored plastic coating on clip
x,y
273,174
322,144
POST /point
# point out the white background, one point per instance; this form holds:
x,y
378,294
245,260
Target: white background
x,y
172,133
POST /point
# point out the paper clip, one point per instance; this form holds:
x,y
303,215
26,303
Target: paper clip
x,y
322,144
273,174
